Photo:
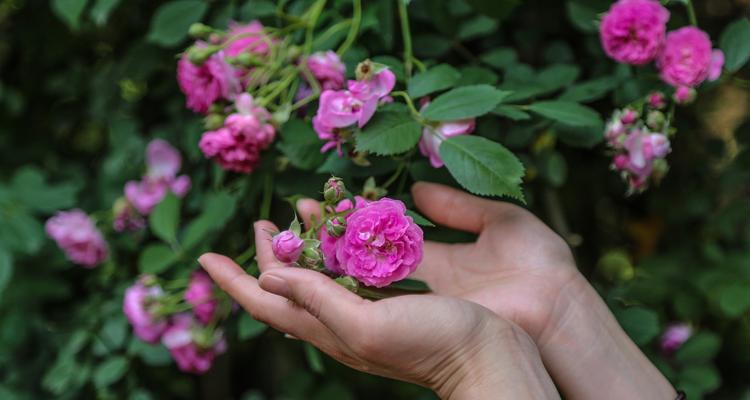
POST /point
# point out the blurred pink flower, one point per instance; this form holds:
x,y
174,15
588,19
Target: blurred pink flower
x,y
632,31
674,337
685,58
76,234
192,347
200,294
328,69
138,305
247,38
204,84
126,217
716,66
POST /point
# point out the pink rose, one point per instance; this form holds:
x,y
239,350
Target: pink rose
x,y
632,31
200,294
429,144
162,160
378,85
138,306
205,84
287,246
629,116
76,234
192,347
249,38
381,244
328,243
328,69
674,337
686,57
716,66
237,145
340,109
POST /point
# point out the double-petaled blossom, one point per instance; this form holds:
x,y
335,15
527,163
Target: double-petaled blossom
x,y
192,346
163,163
632,31
139,305
75,233
205,84
328,243
686,58
237,145
200,295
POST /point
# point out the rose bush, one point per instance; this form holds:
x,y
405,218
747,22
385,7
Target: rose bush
x,y
136,137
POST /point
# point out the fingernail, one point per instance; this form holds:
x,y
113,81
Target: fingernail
x,y
288,336
275,285
200,261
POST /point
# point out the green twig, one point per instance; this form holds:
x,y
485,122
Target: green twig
x,y
406,36
265,205
691,12
354,29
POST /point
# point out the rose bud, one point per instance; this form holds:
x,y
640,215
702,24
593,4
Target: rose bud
x,y
200,31
287,246
655,120
333,191
336,227
311,258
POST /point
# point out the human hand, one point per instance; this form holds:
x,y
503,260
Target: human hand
x,y
524,272
455,347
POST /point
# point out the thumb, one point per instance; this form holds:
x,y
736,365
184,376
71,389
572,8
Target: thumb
x,y
332,304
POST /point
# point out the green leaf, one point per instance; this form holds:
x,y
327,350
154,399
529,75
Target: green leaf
x,y
476,27
437,78
473,75
419,219
165,218
642,325
500,58
114,331
733,299
6,268
735,44
101,10
464,102
301,145
389,132
314,358
582,16
705,378
568,113
511,112
254,9
151,354
110,371
498,9
412,285
558,76
217,210
248,328
701,347
170,23
580,136
29,187
482,166
69,11
554,168
156,258
591,90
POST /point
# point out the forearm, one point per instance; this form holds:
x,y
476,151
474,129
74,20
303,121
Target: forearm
x,y
510,367
591,357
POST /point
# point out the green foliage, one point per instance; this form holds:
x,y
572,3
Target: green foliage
x,y
390,132
567,113
464,102
437,78
165,218
170,24
735,45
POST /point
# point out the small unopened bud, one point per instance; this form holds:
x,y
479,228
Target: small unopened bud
x,y
200,31
348,282
287,246
311,258
333,191
364,70
336,227
199,55
371,191
628,116
213,121
655,120
684,95
656,100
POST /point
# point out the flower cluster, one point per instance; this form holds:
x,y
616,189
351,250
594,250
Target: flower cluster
x,y
191,338
76,234
340,110
634,32
372,241
639,145
163,162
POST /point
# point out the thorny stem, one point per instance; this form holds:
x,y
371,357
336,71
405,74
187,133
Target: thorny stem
x,y
406,35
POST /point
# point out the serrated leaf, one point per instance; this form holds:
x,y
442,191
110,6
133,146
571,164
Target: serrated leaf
x,y
69,11
464,102
500,58
473,75
568,113
165,218
511,112
735,44
389,132
642,325
582,16
28,186
110,371
248,328
558,76
301,145
170,23
101,10
218,208
701,347
477,27
482,166
590,90
419,219
156,258
437,78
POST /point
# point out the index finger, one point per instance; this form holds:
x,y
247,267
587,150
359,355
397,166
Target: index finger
x,y
263,248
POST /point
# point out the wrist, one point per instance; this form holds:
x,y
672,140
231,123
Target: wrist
x,y
504,363
583,342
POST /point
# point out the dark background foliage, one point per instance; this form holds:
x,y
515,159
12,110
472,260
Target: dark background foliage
x,y
85,84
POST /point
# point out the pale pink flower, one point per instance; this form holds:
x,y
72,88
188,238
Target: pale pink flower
x,y
674,337
381,244
432,137
162,160
287,246
247,38
328,69
686,57
200,294
76,234
207,83
139,304
632,31
191,346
